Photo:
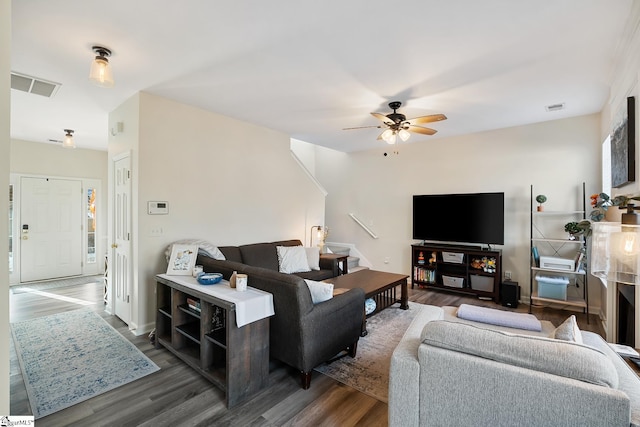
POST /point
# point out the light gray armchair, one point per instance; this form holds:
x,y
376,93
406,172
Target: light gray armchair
x,y
446,373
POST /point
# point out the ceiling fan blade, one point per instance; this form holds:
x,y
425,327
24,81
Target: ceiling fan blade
x,y
382,117
427,119
420,129
363,127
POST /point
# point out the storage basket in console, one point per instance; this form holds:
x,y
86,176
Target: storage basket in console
x,y
453,257
481,283
453,282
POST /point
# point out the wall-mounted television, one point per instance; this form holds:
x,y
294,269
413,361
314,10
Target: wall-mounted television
x,y
459,218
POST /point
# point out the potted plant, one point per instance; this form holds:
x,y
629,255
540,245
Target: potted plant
x,y
541,198
575,228
601,202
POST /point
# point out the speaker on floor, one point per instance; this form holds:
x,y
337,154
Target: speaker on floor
x,y
509,293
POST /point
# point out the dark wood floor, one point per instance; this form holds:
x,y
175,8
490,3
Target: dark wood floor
x,y
178,396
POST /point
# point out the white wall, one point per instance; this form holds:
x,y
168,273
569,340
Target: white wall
x,y
626,82
305,153
49,159
226,181
5,115
555,157
626,74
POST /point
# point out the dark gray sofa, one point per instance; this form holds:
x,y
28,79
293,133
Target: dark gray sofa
x,y
302,335
265,255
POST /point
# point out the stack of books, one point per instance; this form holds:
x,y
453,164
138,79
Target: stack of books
x,y
194,304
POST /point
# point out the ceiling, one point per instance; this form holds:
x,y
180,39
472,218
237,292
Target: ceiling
x,y
310,69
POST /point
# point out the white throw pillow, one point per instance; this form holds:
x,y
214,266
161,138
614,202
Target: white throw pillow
x,y
568,331
320,291
292,259
313,258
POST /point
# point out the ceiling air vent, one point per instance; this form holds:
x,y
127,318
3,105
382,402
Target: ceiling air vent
x,y
33,85
555,107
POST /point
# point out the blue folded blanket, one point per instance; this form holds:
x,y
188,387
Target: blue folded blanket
x,y
499,317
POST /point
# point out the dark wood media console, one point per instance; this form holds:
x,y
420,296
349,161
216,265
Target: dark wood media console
x,y
465,269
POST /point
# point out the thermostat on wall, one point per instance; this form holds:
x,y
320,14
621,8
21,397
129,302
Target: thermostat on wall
x,y
158,208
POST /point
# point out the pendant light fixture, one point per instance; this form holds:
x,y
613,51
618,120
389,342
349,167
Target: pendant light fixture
x,y
100,72
68,142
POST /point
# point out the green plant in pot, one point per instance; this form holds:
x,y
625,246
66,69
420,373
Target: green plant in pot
x,y
541,198
574,228
601,202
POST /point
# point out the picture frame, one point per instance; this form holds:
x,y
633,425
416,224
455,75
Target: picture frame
x,y
623,167
182,260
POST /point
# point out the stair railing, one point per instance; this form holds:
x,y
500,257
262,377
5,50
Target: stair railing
x,y
361,224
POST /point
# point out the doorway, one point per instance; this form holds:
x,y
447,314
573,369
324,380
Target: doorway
x,y
121,265
88,221
50,228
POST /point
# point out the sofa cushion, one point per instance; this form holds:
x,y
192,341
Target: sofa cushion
x,y
290,242
292,259
568,331
263,255
231,253
317,275
499,317
313,258
552,356
320,291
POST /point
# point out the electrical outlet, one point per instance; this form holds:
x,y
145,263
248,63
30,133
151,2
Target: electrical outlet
x,y
156,231
507,275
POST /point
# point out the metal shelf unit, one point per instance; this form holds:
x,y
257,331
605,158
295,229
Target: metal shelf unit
x,y
554,246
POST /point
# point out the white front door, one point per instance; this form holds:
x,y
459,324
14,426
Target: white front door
x,y
50,228
122,269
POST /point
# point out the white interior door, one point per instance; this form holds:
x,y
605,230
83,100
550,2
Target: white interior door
x,y
51,228
122,271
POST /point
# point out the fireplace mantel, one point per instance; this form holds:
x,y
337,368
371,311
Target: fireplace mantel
x,y
618,296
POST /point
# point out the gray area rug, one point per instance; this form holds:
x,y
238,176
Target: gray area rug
x,y
368,372
70,357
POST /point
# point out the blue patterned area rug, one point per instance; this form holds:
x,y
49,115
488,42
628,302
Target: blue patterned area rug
x,y
368,372
70,357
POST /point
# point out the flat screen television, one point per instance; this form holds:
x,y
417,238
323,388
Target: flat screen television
x,y
459,218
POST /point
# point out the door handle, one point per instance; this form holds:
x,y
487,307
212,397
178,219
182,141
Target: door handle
x,y
114,245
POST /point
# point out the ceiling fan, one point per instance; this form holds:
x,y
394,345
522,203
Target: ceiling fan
x,y
397,125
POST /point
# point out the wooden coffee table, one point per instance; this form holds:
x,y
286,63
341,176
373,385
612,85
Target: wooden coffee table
x,y
379,285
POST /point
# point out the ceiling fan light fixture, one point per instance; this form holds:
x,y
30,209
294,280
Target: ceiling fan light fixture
x,y
100,72
389,136
404,134
68,141
397,125
392,138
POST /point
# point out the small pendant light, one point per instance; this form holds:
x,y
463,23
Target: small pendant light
x,y
100,72
68,142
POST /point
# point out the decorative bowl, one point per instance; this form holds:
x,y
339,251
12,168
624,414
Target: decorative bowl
x,y
209,278
369,306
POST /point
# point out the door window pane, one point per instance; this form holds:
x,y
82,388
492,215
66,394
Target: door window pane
x,y
10,228
91,226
